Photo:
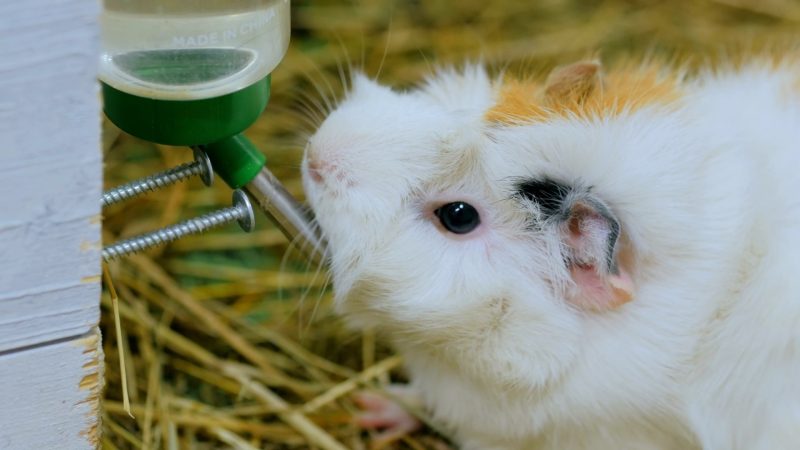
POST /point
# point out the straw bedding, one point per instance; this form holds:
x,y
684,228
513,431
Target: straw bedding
x,y
229,337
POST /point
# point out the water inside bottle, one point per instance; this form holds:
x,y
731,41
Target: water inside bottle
x,y
192,55
184,67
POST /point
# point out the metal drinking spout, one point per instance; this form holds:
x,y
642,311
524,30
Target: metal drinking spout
x,y
287,214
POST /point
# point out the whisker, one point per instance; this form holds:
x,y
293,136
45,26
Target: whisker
x,y
332,100
320,270
297,244
363,52
431,70
302,111
309,117
386,46
325,99
290,249
305,99
346,80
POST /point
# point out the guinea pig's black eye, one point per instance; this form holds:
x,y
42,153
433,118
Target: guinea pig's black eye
x,y
458,217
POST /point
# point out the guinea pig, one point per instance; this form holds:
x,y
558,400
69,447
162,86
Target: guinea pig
x,y
602,259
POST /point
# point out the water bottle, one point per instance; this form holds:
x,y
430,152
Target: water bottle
x,y
196,73
191,49
189,72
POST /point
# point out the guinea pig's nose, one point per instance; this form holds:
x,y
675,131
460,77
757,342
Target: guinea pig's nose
x,y
326,165
326,170
315,170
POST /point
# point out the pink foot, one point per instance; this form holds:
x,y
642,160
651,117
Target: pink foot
x,y
381,412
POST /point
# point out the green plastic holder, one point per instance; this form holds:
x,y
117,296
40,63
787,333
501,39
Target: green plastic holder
x,y
235,159
213,123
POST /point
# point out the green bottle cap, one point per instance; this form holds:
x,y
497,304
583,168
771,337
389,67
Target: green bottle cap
x,y
186,122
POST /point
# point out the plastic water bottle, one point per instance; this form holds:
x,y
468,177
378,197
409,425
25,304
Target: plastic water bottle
x,y
196,73
191,49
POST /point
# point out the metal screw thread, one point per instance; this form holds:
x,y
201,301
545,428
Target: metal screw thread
x,y
152,182
241,211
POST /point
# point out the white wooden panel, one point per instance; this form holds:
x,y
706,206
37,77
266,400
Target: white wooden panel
x,y
50,182
50,396
70,311
50,170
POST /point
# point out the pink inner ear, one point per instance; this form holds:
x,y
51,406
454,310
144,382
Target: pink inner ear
x,y
587,233
598,287
598,292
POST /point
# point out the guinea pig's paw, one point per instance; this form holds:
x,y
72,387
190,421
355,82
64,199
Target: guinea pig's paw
x,y
387,412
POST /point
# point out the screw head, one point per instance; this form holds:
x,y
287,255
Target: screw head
x,y
207,175
247,221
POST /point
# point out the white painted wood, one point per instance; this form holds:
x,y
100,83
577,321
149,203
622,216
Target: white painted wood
x,y
50,170
50,183
50,396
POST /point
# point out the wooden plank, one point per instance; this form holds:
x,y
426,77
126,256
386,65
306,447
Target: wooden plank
x,y
50,395
70,311
50,171
50,183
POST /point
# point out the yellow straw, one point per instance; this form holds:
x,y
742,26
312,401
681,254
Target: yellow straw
x,y
126,402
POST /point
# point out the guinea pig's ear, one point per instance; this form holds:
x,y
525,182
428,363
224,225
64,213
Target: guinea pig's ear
x,y
572,83
591,233
590,236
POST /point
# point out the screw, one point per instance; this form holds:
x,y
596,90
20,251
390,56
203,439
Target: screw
x,y
200,166
241,211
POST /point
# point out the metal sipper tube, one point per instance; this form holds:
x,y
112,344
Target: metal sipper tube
x,y
287,214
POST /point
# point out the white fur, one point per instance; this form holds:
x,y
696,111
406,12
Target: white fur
x,y
707,355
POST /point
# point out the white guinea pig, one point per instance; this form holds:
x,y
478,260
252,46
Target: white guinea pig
x,y
598,260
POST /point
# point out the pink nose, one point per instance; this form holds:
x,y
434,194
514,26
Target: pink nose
x,y
315,169
327,168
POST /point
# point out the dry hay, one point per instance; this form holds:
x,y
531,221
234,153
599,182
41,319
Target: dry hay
x,y
230,339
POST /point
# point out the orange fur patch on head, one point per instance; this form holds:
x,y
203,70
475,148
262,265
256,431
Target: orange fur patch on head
x,y
573,83
518,101
580,90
